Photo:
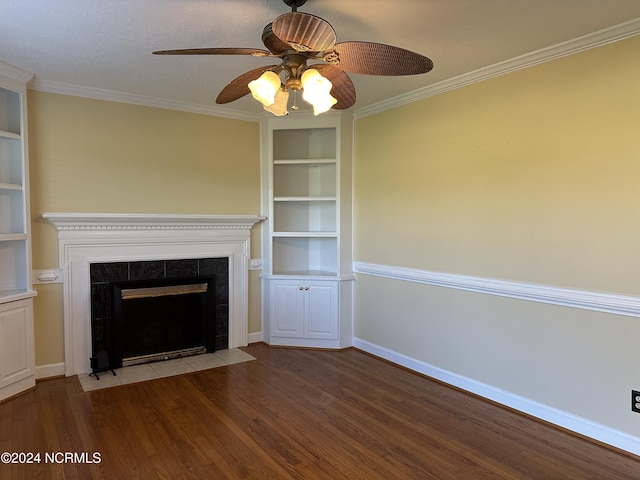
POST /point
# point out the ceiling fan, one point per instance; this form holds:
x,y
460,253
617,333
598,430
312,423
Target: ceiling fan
x,y
311,61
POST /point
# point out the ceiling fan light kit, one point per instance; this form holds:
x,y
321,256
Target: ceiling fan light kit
x,y
316,90
298,38
280,103
265,87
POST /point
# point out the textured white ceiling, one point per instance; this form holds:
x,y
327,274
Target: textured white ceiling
x,y
107,44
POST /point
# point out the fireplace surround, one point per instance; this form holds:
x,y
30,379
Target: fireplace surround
x,y
154,310
85,239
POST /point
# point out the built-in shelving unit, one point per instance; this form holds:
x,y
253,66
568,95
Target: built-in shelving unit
x,y
17,365
307,259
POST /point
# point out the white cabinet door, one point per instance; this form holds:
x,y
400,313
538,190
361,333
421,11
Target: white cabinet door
x,y
321,320
17,356
287,309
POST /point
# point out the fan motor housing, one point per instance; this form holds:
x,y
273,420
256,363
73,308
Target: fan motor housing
x,y
298,3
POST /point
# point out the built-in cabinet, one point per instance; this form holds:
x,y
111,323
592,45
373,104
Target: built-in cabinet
x,y
305,309
307,242
17,359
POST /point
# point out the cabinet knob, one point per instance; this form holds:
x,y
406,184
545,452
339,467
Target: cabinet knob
x,y
300,288
306,288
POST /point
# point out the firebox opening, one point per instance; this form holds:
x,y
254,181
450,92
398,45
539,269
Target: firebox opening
x,y
162,319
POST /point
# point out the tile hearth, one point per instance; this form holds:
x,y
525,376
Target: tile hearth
x,y
169,368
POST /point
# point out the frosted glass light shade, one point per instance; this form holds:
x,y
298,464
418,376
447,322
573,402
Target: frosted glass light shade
x,y
316,91
265,87
279,106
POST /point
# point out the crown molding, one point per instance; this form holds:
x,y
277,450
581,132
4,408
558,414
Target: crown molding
x,y
15,74
121,97
564,49
586,42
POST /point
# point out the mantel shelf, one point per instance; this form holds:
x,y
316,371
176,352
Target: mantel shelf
x,y
146,221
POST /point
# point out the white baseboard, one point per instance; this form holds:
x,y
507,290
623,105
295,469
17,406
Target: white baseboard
x,y
255,337
51,370
557,417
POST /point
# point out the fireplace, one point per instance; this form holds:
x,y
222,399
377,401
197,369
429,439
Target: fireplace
x,y
152,322
86,239
146,311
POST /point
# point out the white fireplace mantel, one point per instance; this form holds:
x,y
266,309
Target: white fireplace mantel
x,y
85,238
89,222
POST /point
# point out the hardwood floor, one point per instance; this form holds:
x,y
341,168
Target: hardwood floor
x,y
290,414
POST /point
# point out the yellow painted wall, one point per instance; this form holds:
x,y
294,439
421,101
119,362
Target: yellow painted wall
x,y
106,157
531,176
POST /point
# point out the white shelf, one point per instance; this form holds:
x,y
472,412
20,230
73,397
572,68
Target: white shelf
x,y
12,237
10,186
15,251
306,161
17,349
304,201
305,234
16,294
299,199
296,274
9,135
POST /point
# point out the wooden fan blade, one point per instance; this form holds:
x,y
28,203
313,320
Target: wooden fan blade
x,y
376,59
272,42
239,86
343,89
304,32
256,52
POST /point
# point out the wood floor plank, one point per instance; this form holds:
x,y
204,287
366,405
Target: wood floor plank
x,y
293,414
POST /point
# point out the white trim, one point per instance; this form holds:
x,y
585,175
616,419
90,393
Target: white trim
x,y
15,73
91,222
255,337
566,297
48,371
133,99
576,45
561,418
